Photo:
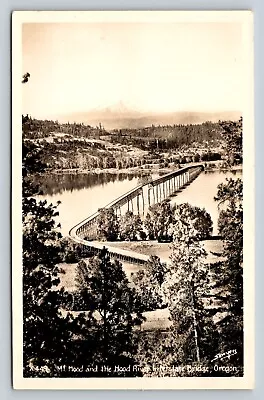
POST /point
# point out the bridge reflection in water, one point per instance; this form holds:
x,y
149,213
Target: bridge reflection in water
x,y
137,200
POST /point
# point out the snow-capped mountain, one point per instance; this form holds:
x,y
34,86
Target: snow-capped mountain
x,y
121,115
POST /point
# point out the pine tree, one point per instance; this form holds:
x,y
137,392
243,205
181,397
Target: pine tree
x,y
158,220
107,225
130,227
149,284
230,223
184,280
49,331
115,306
198,217
232,132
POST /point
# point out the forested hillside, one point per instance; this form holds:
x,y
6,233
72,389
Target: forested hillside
x,y
72,146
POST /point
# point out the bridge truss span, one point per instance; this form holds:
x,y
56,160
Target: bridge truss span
x,y
137,200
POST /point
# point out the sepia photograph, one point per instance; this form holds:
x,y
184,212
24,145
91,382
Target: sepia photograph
x,y
132,200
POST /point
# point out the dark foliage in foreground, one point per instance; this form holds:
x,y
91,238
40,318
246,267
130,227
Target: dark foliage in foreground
x,y
56,341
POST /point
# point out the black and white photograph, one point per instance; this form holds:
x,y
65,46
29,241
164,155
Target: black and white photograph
x,y
132,200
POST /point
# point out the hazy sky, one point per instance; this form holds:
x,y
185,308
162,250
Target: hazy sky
x,y
149,67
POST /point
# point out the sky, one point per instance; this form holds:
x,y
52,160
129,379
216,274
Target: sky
x,y
149,67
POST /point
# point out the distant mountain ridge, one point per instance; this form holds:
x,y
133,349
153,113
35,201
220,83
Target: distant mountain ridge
x,y
119,116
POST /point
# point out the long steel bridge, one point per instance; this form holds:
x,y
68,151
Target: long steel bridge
x,y
137,200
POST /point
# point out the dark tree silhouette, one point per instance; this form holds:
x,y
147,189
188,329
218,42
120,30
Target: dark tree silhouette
x,y
105,292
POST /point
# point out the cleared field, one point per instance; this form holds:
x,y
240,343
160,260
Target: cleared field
x,y
214,248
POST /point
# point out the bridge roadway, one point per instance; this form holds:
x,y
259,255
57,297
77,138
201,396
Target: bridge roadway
x,y
156,190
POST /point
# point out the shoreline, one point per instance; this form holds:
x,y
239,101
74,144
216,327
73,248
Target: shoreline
x,y
136,170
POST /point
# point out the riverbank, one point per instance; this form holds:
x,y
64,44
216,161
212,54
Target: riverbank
x,y
209,166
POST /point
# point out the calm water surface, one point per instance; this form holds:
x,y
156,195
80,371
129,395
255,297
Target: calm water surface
x,y
82,194
202,191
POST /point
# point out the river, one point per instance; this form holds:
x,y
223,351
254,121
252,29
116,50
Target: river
x,y
203,189
82,194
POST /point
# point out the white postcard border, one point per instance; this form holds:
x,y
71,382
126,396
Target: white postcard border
x,y
246,382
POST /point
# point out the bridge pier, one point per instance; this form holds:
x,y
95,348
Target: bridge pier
x,y
130,205
148,196
143,205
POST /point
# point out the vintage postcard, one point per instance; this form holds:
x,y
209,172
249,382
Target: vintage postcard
x,y
133,200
